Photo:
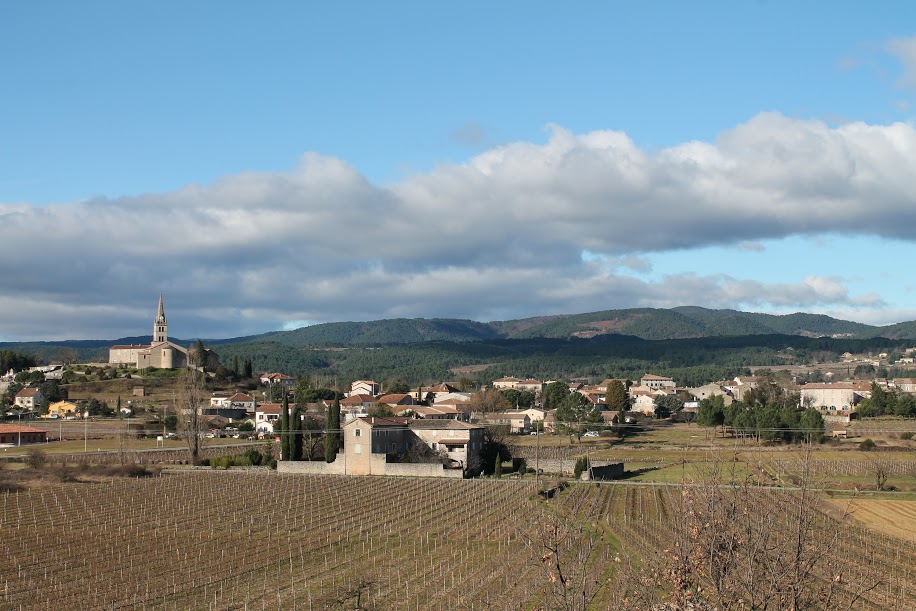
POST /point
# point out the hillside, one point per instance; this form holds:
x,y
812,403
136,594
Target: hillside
x,y
380,332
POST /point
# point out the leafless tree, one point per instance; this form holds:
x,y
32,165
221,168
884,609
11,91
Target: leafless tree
x,y
190,400
563,551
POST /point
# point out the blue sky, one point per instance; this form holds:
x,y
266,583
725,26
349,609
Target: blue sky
x,y
270,166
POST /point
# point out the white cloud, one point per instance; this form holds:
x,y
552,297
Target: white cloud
x,y
499,236
904,49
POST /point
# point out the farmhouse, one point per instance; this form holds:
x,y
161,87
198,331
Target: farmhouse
x,y
62,409
28,398
655,382
837,397
16,434
364,387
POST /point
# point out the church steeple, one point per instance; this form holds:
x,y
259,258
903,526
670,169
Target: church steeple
x,y
160,326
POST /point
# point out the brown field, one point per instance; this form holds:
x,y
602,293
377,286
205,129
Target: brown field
x,y
891,517
229,540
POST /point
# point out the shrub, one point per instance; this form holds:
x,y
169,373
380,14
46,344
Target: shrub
x,y
35,458
867,445
907,435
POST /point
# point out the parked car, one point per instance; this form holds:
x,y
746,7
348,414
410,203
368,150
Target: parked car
x,y
591,434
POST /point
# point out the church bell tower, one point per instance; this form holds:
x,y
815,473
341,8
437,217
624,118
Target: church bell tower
x,y
160,326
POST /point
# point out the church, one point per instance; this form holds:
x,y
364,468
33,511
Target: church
x,y
160,353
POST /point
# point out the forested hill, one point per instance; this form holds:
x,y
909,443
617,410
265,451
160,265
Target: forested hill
x,y
687,322
380,332
646,323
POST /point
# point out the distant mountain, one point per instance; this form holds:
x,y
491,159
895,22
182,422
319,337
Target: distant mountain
x,y
380,332
686,322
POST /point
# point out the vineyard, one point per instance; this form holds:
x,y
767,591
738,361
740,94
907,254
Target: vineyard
x,y
205,540
217,540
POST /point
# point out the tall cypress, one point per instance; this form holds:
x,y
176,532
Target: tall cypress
x,y
332,431
285,445
295,428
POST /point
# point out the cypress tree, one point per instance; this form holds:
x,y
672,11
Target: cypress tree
x,y
284,429
332,432
235,364
295,428
249,372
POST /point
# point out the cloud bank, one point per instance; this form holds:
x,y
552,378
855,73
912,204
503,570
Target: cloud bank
x,y
499,236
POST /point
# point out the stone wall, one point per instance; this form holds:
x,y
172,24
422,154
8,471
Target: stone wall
x,y
568,466
422,470
338,467
311,467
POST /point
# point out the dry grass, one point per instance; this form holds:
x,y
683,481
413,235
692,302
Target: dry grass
x,y
890,517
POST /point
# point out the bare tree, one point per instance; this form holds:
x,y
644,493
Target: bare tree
x,y
748,547
190,399
564,549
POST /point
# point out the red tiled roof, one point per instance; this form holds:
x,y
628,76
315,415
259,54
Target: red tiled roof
x,y
15,428
27,392
394,398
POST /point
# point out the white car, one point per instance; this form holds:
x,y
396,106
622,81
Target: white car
x,y
592,434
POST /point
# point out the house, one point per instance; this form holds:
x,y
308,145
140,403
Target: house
x,y
531,385
237,400
656,382
458,441
368,442
610,418
459,407
16,434
643,403
710,390
517,422
355,405
365,387
28,398
905,384
508,383
62,409
269,379
439,392
265,415
395,400
836,397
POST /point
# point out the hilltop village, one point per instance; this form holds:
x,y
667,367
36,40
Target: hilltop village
x,y
448,427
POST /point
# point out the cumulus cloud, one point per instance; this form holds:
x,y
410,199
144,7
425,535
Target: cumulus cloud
x,y
501,235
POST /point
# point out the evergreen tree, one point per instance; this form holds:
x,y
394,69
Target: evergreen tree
x,y
616,398
295,427
285,445
235,364
554,395
249,372
200,356
332,432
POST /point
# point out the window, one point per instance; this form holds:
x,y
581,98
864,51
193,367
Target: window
x,y
358,433
357,449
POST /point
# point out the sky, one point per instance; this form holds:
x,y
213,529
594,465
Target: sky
x,y
267,166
